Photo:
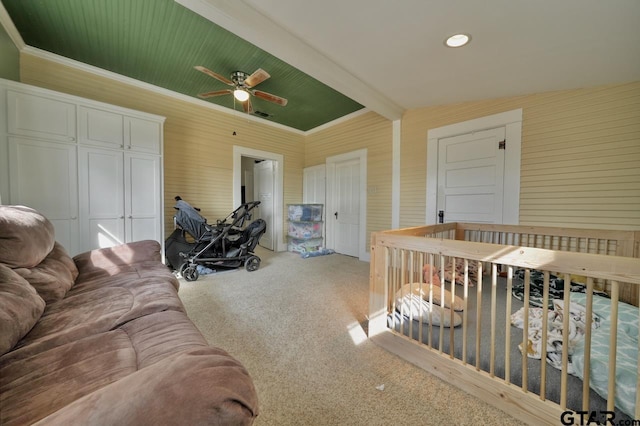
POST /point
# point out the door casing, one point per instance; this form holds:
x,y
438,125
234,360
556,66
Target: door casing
x,y
278,202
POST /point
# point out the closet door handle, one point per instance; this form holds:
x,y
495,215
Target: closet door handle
x,y
336,215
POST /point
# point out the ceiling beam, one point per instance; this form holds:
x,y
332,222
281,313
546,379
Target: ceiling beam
x,y
246,22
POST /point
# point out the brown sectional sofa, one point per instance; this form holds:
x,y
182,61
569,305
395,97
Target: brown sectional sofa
x,y
103,339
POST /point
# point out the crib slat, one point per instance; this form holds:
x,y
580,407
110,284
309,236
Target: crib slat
x,y
507,332
421,262
451,314
479,310
545,325
637,413
465,314
586,374
613,345
403,280
565,342
430,327
494,284
525,329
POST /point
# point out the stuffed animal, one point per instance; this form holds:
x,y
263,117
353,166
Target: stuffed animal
x,y
431,275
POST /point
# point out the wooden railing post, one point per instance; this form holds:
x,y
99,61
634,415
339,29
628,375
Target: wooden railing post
x,y
378,289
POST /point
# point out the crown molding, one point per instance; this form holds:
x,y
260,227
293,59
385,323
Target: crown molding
x,y
43,54
337,121
28,50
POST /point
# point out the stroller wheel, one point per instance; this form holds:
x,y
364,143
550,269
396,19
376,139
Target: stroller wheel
x,y
190,272
252,263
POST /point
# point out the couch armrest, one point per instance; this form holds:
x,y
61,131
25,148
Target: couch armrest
x,y
201,386
120,255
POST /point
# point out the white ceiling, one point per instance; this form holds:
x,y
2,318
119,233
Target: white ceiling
x,y
389,55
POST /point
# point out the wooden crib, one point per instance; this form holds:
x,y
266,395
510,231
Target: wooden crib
x,y
482,355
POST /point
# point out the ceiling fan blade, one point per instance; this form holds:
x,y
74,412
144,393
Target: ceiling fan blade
x,y
269,97
247,107
256,78
216,93
214,75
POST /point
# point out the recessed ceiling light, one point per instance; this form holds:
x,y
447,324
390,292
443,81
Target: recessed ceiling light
x,y
457,40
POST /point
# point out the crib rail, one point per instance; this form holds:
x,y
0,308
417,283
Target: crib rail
x,y
479,354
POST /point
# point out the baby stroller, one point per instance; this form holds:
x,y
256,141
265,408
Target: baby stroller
x,y
227,244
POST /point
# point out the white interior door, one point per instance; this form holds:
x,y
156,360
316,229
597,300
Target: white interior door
x,y
347,212
471,177
264,186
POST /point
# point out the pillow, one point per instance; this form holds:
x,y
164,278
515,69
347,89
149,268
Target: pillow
x,y
20,308
422,290
415,307
54,276
26,236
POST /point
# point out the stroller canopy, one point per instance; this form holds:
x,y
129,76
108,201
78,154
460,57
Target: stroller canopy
x,y
189,219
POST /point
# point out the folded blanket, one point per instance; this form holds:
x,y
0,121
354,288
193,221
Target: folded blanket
x,y
536,288
578,323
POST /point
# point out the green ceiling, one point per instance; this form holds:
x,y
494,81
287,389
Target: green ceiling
x,y
159,42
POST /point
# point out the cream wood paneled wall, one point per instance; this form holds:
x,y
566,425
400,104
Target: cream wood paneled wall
x,y
580,163
198,141
370,131
579,168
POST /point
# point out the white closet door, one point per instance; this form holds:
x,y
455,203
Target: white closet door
x,y
41,117
142,197
102,197
43,177
101,128
142,135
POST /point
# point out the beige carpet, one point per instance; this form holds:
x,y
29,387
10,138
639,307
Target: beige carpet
x,y
296,324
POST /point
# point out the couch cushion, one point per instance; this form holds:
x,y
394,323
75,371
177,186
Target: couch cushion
x,y
203,386
120,255
34,385
52,277
92,312
26,237
20,308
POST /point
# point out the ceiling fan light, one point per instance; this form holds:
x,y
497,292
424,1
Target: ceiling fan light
x,y
241,95
457,40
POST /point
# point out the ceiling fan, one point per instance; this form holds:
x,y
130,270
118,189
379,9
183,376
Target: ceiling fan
x,y
242,84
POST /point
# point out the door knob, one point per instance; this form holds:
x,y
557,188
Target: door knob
x,y
336,215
